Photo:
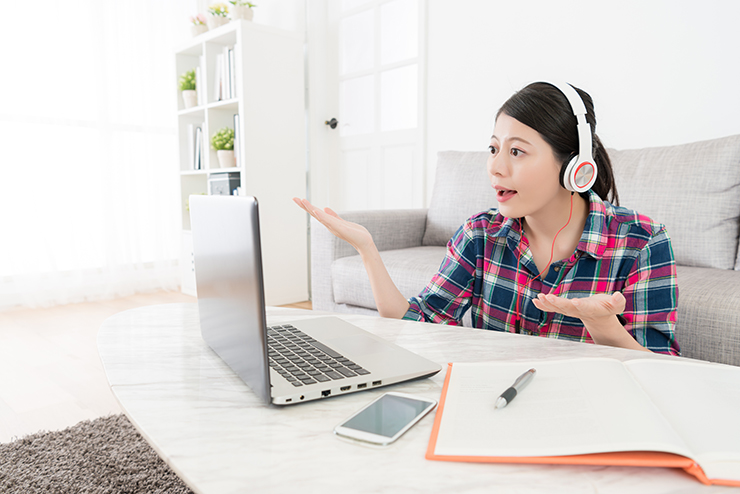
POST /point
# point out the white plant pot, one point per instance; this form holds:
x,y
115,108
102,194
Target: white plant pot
x,y
197,29
215,21
242,12
190,98
225,158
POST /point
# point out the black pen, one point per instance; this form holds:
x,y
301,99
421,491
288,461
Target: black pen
x,y
518,385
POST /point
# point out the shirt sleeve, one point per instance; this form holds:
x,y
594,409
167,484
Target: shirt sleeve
x,y
448,295
651,292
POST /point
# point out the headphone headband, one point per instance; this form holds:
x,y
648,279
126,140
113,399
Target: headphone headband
x,y
580,173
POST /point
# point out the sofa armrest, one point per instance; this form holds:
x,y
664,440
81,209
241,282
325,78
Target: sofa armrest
x,y
709,314
391,230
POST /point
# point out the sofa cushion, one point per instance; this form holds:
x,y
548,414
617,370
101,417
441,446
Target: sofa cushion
x,y
693,189
410,269
461,189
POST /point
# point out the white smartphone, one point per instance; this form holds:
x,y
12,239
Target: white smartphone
x,y
385,419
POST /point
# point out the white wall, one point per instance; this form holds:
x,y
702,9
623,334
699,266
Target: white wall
x,y
284,14
660,72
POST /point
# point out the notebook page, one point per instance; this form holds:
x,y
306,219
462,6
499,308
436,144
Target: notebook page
x,y
574,406
702,402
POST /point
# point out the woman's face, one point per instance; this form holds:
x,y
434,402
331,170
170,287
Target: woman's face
x,y
523,169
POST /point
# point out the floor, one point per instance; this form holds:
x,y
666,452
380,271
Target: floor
x,y
50,373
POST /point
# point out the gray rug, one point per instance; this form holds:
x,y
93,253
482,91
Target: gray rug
x,y
106,455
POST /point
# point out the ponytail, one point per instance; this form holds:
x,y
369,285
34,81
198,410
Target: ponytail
x,y
605,187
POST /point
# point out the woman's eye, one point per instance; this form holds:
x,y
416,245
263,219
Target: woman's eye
x,y
492,149
516,152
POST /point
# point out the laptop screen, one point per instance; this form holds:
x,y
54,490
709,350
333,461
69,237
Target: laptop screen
x,y
228,277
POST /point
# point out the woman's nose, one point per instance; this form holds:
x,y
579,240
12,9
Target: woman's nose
x,y
496,166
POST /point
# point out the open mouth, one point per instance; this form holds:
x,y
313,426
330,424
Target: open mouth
x,y
503,195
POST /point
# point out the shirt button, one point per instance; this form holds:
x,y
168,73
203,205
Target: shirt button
x,y
556,268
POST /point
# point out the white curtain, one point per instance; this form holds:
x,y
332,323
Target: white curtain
x,y
89,187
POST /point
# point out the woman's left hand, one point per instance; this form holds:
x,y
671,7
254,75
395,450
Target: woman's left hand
x,y
590,309
598,313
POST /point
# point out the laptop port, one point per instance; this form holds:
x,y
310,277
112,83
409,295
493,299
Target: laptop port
x,y
326,392
377,383
345,388
288,400
362,386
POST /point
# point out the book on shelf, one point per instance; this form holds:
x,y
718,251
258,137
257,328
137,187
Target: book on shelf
x,y
198,151
191,146
199,85
237,140
650,412
232,73
225,75
218,82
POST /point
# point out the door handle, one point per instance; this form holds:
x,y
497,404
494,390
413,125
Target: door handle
x,y
332,123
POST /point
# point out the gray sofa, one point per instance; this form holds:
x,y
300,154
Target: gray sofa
x,y
694,189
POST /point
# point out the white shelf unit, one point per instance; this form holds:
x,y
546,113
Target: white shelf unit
x,y
269,73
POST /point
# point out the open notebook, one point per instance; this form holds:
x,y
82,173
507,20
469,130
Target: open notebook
x,y
645,412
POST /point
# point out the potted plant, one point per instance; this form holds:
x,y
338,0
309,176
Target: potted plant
x,y
198,24
217,15
242,10
189,91
223,142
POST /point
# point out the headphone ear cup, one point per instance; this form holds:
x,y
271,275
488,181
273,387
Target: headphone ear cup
x,y
580,176
565,172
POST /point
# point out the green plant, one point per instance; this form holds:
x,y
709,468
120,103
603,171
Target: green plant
x,y
218,9
242,3
223,139
187,80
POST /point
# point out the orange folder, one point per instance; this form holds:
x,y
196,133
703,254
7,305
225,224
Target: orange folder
x,y
622,458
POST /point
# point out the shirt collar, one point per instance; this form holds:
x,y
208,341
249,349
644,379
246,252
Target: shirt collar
x,y
503,227
593,240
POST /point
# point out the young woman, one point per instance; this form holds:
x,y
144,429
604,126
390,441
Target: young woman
x,y
548,261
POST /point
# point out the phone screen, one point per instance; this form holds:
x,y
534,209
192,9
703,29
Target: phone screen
x,y
387,416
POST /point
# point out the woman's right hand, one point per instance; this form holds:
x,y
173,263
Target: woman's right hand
x,y
356,235
388,299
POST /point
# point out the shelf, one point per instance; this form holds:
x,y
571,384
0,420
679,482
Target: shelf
x,y
224,170
211,171
195,111
229,104
270,91
226,34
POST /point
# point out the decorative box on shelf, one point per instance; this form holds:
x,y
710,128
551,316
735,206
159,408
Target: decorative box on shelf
x,y
223,184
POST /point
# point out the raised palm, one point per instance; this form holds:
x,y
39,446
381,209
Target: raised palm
x,y
356,235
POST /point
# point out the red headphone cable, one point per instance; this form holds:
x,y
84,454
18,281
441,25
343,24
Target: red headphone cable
x,y
547,267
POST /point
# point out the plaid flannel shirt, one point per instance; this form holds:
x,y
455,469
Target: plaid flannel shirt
x,y
619,250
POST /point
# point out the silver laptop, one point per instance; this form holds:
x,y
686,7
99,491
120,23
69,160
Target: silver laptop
x,y
286,364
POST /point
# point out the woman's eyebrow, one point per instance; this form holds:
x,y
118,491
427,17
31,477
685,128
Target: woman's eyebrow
x,y
513,139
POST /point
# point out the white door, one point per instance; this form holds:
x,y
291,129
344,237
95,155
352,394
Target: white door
x,y
366,70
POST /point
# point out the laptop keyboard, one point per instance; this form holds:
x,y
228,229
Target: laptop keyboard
x,y
303,360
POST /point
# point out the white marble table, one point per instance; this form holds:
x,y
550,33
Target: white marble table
x,y
219,438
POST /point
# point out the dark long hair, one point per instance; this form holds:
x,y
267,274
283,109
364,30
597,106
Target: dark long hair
x,y
544,108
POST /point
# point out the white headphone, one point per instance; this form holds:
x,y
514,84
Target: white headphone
x,y
580,173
